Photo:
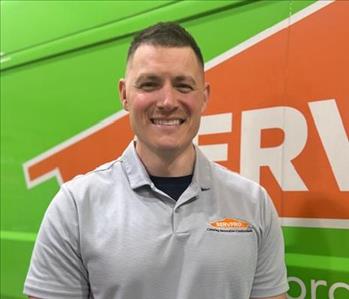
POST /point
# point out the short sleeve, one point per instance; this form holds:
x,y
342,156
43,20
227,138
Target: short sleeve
x,y
56,268
270,276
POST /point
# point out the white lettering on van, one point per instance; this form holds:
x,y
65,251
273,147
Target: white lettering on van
x,y
335,286
334,139
314,285
213,124
278,158
301,284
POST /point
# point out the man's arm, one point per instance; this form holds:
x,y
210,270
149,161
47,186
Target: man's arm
x,y
56,265
270,276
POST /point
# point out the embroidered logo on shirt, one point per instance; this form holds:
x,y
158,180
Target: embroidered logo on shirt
x,y
230,225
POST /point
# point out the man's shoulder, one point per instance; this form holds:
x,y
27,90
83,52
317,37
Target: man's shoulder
x,y
230,176
231,180
103,175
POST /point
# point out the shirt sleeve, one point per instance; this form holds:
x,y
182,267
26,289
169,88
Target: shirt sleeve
x,y
270,276
56,269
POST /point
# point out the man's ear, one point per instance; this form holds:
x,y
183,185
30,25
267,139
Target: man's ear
x,y
122,94
206,96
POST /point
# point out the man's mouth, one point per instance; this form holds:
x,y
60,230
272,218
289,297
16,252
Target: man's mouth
x,y
167,122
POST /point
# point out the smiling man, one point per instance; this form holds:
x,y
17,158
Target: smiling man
x,y
161,221
165,93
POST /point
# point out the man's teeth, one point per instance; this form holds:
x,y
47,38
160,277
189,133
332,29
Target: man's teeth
x,y
167,122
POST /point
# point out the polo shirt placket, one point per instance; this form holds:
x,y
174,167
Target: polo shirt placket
x,y
180,209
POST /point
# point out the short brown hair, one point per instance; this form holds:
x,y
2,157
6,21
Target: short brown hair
x,y
165,34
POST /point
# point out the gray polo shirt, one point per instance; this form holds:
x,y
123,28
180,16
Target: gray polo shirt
x,y
112,234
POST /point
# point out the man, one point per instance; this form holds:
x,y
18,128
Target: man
x,y
161,222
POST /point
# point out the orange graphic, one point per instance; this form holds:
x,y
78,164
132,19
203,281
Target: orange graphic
x,y
101,146
230,223
301,64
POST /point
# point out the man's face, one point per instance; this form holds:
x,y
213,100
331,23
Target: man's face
x,y
165,94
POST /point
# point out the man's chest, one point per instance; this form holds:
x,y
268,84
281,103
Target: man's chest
x,y
152,247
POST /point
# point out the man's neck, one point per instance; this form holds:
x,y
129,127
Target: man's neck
x,y
167,163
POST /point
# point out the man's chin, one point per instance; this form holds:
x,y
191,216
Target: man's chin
x,y
167,148
171,148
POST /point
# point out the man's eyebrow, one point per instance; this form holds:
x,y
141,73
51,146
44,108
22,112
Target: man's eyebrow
x,y
156,78
144,77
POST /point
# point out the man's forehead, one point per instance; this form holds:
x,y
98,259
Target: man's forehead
x,y
151,47
147,60
146,51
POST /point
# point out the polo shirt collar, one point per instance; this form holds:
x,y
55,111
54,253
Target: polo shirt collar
x,y
138,175
135,170
202,170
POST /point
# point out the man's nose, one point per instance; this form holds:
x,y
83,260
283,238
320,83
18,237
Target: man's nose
x,y
168,100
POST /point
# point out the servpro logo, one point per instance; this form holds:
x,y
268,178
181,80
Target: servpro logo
x,y
230,225
279,115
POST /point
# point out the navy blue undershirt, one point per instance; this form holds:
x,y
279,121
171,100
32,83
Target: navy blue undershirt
x,y
172,186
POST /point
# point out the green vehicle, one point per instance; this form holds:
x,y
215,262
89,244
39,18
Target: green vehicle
x,y
279,114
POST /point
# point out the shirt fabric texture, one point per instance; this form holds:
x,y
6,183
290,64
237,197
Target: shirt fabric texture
x,y
112,234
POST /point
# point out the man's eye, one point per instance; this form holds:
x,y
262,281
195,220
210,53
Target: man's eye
x,y
184,88
148,86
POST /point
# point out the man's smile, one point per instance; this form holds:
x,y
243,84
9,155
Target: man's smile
x,y
167,122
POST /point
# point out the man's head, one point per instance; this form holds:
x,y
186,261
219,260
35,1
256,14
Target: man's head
x,y
164,90
166,35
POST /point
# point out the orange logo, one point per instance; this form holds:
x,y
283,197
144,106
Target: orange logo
x,y
231,224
